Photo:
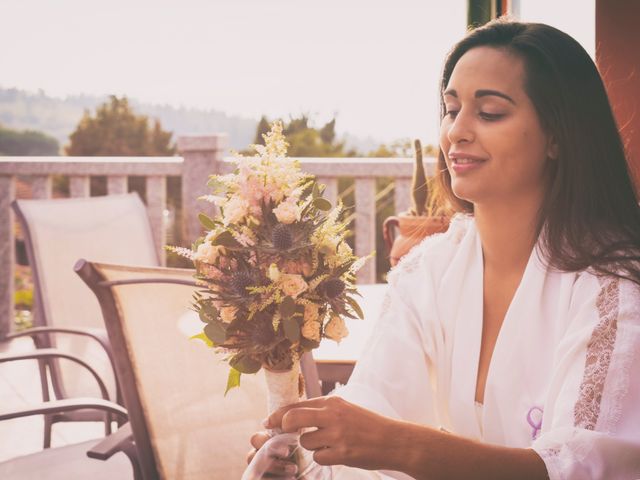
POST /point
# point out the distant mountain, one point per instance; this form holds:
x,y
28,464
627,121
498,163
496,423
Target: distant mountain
x,y
58,117
21,110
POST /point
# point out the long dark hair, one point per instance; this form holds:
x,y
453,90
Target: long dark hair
x,y
590,217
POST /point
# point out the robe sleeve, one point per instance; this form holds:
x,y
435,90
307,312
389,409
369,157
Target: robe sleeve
x,y
393,375
591,421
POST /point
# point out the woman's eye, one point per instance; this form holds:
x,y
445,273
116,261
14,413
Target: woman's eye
x,y
491,116
451,113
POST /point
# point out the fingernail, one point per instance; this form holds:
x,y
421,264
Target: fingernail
x,y
265,422
291,469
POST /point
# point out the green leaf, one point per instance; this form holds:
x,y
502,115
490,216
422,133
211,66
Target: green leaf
x,y
233,380
291,329
308,344
287,307
315,193
206,222
203,337
245,364
356,308
322,204
215,332
226,240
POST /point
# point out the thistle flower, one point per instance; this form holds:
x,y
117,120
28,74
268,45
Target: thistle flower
x,y
282,237
333,287
239,282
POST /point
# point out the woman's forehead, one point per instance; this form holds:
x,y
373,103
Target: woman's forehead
x,y
488,68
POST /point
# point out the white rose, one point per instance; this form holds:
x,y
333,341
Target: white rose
x,y
208,253
335,329
287,212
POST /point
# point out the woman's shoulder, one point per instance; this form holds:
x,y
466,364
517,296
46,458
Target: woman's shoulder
x,y
609,295
433,252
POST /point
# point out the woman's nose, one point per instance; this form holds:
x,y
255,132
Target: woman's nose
x,y
461,128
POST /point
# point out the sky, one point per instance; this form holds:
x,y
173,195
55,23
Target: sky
x,y
372,63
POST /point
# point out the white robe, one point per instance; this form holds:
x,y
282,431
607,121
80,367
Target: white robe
x,y
564,378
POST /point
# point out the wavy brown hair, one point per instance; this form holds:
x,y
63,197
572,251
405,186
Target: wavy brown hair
x,y
590,217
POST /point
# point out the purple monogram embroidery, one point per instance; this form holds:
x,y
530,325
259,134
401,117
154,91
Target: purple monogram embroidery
x,y
534,418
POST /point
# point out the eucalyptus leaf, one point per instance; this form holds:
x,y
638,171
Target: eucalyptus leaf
x,y
206,222
225,239
210,311
203,316
233,380
322,204
287,307
245,364
216,332
203,337
291,329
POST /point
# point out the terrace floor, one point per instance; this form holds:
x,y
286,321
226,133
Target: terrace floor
x,y
20,387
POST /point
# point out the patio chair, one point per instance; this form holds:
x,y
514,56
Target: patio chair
x,y
173,386
109,456
57,232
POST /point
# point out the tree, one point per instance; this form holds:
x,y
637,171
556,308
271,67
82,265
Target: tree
x,y
262,129
305,140
27,142
116,130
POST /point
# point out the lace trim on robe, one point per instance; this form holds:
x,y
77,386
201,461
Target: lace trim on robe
x,y
598,358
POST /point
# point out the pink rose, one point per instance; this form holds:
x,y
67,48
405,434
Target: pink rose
x,y
335,329
292,285
311,330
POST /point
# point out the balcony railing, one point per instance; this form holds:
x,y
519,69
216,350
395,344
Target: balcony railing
x,y
200,156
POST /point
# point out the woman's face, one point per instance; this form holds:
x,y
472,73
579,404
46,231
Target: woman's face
x,y
494,145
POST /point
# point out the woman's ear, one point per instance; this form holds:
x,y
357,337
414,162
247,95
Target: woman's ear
x,y
552,149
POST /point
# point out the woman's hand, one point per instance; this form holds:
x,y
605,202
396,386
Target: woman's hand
x,y
279,463
345,434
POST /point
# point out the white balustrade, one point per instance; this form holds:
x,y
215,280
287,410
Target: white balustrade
x,y
200,157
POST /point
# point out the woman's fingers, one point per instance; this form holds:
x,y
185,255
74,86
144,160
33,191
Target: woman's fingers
x,y
315,440
305,417
275,419
258,439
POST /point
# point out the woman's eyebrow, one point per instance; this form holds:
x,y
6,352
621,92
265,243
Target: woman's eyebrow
x,y
481,93
485,93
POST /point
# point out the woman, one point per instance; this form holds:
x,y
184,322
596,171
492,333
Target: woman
x,y
506,348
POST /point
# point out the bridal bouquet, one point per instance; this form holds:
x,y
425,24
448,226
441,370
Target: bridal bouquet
x,y
277,271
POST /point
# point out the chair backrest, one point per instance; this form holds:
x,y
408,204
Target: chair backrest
x,y
173,386
113,228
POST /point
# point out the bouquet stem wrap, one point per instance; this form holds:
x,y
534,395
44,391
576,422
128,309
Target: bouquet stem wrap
x,y
282,387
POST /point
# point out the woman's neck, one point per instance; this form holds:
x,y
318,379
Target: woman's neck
x,y
508,235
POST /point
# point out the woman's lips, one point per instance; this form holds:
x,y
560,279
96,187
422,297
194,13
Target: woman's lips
x,y
465,164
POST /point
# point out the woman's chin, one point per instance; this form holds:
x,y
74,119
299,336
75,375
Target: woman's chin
x,y
468,193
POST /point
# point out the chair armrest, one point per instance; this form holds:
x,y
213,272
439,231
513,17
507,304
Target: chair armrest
x,y
98,334
112,444
46,353
120,441
66,405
